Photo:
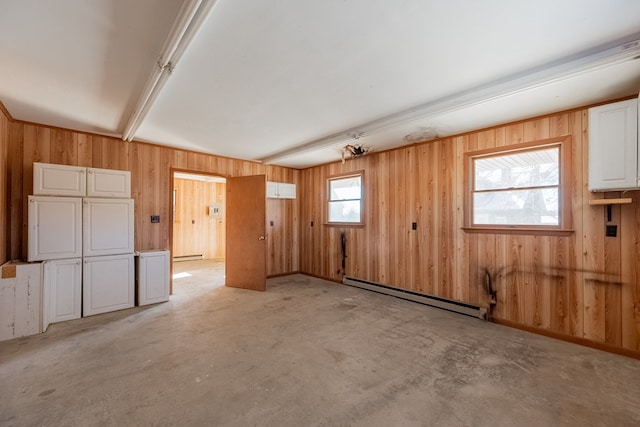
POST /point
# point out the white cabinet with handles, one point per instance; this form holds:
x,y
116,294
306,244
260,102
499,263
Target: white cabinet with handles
x,y
64,180
59,180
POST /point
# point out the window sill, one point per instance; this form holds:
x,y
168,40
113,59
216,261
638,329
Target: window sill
x,y
344,224
520,230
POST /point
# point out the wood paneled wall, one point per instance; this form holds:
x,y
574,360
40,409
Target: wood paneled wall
x,y
4,187
150,167
281,237
195,232
583,285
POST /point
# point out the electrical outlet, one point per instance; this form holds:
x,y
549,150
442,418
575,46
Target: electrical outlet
x,y
611,231
155,218
271,223
414,225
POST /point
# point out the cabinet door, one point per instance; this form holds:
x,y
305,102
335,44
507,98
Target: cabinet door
x,y
153,277
58,180
55,228
272,190
108,183
107,226
62,290
107,284
286,190
613,146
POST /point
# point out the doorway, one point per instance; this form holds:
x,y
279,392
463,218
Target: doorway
x,y
199,232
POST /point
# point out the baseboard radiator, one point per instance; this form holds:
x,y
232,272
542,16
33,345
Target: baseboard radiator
x,y
443,303
188,258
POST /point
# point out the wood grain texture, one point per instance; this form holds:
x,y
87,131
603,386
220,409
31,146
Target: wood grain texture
x,y
582,284
195,232
4,186
246,198
151,180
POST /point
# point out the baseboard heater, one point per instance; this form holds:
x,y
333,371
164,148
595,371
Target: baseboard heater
x,y
188,258
445,304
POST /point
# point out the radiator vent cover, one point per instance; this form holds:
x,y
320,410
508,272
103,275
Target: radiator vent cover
x,y
443,303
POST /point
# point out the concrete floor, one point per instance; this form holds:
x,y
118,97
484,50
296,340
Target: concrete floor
x,y
305,353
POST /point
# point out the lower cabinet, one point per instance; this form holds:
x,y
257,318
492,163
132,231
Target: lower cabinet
x,y
107,283
62,291
152,277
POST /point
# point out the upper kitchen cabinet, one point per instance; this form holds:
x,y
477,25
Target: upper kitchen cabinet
x,y
108,183
64,180
59,180
613,147
280,190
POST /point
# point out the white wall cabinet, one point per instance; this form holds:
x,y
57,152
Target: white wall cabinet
x,y
108,183
107,226
59,180
152,276
281,190
64,180
20,299
107,283
62,299
55,228
614,157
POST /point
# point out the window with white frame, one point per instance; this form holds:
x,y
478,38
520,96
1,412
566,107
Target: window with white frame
x,y
517,187
344,199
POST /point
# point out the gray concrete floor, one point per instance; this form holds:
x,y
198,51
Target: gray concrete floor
x,y
305,353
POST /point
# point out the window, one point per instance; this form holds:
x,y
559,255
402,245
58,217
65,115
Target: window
x,y
520,188
345,199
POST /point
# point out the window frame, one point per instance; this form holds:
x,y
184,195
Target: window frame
x,y
564,189
328,199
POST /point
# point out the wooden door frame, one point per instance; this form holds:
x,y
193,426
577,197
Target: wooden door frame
x,y
172,172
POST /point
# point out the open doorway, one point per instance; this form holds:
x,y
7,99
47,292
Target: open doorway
x,y
199,232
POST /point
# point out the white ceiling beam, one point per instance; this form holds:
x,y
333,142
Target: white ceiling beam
x,y
583,63
190,18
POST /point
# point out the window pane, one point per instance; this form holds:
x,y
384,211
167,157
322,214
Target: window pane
x,y
517,207
344,211
518,170
345,188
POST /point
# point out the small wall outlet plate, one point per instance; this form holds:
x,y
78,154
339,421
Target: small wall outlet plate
x,y
155,218
611,231
414,225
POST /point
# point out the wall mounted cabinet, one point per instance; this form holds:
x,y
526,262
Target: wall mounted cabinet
x,y
614,157
280,190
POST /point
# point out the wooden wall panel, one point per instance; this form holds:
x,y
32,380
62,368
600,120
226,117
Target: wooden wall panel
x,y
151,174
583,285
195,232
4,187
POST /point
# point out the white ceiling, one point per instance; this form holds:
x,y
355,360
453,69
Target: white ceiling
x,y
291,82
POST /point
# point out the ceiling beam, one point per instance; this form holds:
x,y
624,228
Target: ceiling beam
x,y
190,18
587,61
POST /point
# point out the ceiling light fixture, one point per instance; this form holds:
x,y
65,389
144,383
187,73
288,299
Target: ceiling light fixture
x,y
188,21
584,62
